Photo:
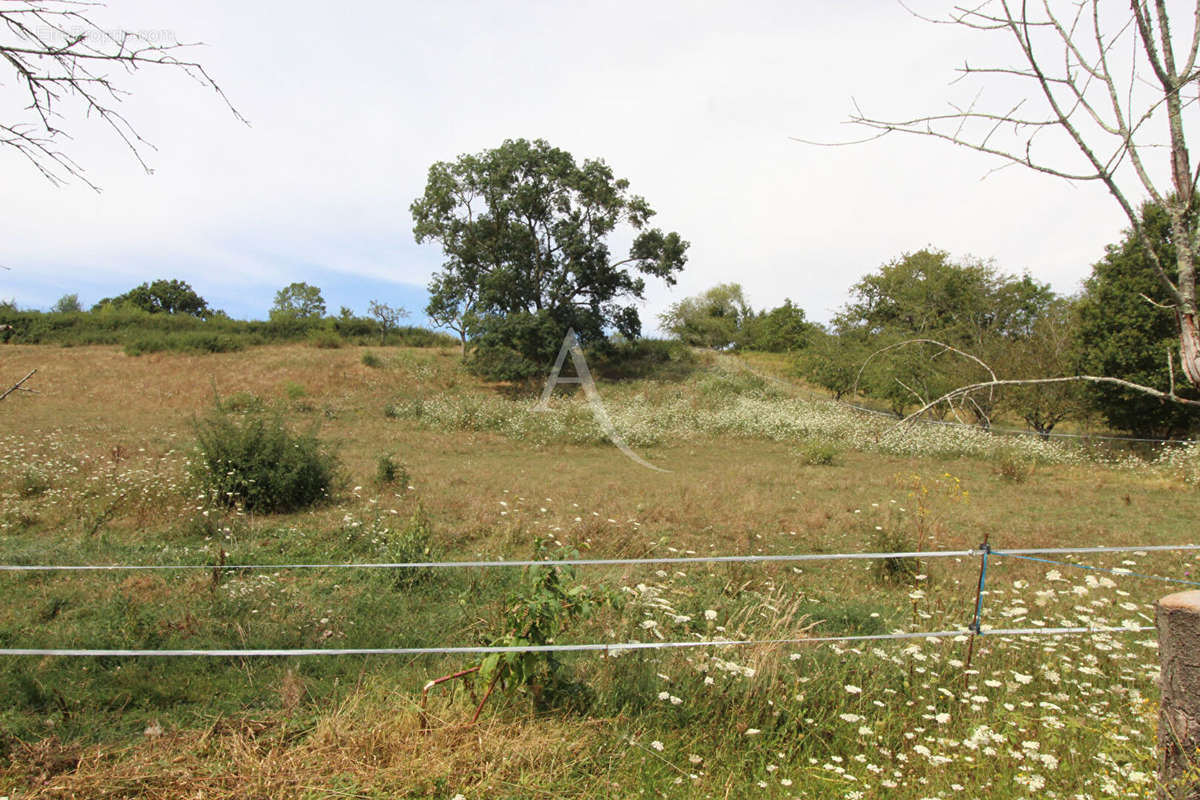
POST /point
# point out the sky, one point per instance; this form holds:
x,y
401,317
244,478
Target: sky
x,y
699,105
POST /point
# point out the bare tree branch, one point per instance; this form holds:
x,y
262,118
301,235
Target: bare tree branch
x,y
1067,62
58,55
17,386
945,348
962,391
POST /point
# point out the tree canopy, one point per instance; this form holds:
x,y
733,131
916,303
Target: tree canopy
x,y
721,317
298,301
160,296
929,297
782,329
1127,331
67,304
714,318
926,293
525,229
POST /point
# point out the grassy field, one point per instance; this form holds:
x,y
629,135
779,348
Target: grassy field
x,y
97,468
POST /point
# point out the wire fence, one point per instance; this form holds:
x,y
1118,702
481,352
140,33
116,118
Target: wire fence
x,y
1085,437
975,628
603,562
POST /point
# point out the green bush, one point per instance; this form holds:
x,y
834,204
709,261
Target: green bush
x,y
325,339
205,342
253,461
369,359
243,403
657,359
294,390
412,545
894,570
142,332
818,454
388,472
145,344
498,363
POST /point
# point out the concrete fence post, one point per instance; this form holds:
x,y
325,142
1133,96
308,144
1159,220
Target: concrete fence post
x,y
1178,620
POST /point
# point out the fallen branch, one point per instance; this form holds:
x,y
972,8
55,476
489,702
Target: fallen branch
x,y
945,347
962,391
18,387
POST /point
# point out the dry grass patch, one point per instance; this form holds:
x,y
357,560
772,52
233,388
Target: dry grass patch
x,y
364,748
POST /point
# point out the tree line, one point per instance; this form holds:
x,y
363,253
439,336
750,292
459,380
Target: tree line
x,y
925,323
168,314
525,231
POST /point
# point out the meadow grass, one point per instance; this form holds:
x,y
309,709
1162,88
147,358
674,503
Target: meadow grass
x,y
96,469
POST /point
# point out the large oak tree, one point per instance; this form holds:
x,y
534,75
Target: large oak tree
x,y
526,232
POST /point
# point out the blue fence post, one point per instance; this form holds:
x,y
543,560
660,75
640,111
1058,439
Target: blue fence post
x,y
975,627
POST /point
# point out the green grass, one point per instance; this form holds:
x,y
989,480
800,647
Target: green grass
x,y
90,473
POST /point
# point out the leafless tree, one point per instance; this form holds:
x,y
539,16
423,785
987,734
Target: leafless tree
x,y
1114,87
62,61
387,317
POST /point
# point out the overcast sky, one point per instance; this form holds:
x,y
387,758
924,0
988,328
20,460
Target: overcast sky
x,y
695,103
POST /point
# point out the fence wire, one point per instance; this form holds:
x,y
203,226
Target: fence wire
x,y
974,629
601,562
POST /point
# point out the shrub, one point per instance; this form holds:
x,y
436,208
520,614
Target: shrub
x,y
657,359
894,570
32,483
818,453
254,462
498,363
242,403
369,359
1012,467
412,545
145,344
388,472
205,342
325,339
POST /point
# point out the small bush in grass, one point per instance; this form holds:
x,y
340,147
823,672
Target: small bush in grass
x,y
32,483
1012,467
242,403
818,453
894,570
369,359
388,472
404,409
253,461
413,544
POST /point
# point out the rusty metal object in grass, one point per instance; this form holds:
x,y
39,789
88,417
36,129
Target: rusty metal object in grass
x,y
425,693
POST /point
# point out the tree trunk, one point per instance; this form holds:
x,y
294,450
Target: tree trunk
x,y
1178,620
1189,347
